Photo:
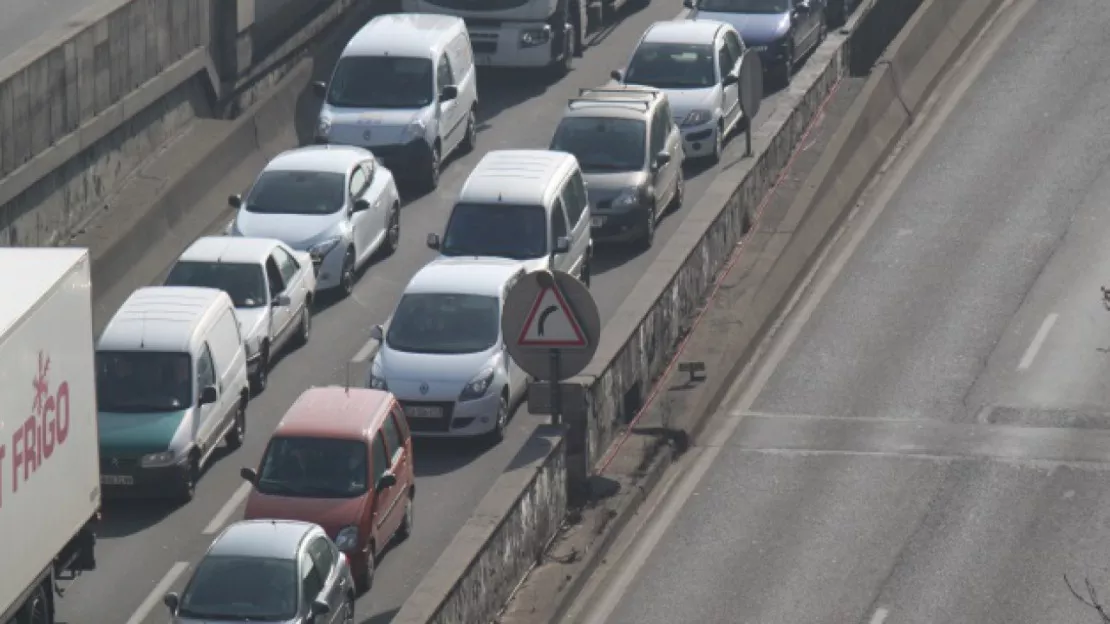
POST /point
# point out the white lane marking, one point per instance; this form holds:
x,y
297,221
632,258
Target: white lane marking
x,y
224,514
364,353
155,595
1038,342
880,616
944,101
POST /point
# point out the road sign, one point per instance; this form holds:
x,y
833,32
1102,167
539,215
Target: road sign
x,y
546,314
751,83
551,324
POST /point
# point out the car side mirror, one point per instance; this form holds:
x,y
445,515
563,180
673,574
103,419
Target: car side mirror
x,y
377,333
248,474
387,480
208,395
562,245
361,205
235,201
320,607
320,88
433,241
448,93
171,600
617,75
729,79
661,159
282,301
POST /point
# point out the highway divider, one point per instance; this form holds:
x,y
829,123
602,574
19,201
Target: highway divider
x,y
483,566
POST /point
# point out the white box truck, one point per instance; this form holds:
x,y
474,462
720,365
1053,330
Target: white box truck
x,y
49,460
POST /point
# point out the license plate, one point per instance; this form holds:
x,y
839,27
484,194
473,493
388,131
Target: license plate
x,y
116,480
424,412
597,221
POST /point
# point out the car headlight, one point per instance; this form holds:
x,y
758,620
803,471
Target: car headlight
x,y
376,382
478,386
347,538
414,130
320,250
629,197
323,128
157,460
535,37
697,117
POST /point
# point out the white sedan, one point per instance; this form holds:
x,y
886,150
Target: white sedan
x,y
271,285
335,202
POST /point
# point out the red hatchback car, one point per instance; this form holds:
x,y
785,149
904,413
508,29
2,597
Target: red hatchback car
x,y
341,458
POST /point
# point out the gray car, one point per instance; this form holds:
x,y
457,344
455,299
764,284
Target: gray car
x,y
631,154
268,571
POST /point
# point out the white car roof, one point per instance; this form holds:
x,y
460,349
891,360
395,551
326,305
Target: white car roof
x,y
515,177
160,318
325,158
230,249
420,35
464,276
683,31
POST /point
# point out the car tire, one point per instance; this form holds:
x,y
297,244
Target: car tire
x,y
786,69
304,329
470,139
261,376
498,434
347,274
366,579
349,611
238,432
585,273
405,530
37,609
432,169
188,485
648,238
718,143
392,231
679,193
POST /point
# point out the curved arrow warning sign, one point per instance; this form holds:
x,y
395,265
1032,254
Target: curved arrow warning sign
x,y
551,324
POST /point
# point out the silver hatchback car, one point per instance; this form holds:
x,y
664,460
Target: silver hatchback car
x,y
268,571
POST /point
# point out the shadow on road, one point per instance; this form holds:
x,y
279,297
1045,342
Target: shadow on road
x,y
439,457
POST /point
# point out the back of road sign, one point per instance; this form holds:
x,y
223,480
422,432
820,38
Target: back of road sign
x,y
550,313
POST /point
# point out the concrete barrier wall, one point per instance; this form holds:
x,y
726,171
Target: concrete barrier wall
x,y
508,532
636,343
82,108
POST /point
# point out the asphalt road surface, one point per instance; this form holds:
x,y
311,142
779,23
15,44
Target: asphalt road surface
x,y
147,549
23,21
927,438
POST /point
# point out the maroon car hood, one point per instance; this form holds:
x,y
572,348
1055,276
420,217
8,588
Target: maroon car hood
x,y
330,513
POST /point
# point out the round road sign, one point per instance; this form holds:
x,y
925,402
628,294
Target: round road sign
x,y
548,314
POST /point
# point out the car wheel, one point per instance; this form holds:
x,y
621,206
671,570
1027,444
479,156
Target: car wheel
x,y
348,611
718,143
405,530
786,69
431,173
262,374
498,433
648,239
679,193
366,580
347,276
189,477
393,230
304,331
36,610
470,140
238,431
822,30
585,273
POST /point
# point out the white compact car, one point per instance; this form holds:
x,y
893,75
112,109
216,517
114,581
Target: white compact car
x,y
335,202
270,283
697,63
442,354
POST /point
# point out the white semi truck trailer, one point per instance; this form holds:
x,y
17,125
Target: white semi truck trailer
x,y
526,33
49,460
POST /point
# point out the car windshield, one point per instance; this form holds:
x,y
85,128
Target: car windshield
x,y
602,144
244,283
143,381
444,323
745,6
298,192
504,231
382,82
314,468
246,589
672,66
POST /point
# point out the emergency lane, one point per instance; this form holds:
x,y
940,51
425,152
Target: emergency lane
x,y
147,548
927,438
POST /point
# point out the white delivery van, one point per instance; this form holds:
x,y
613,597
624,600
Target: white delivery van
x,y
527,205
171,379
49,483
405,89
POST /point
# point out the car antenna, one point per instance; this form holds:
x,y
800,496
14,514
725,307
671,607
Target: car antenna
x,y
347,381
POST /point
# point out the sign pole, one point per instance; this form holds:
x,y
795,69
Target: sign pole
x,y
748,139
553,384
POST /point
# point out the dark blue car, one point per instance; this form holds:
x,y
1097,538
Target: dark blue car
x,y
782,31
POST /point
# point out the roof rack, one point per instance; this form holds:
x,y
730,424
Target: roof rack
x,y
573,101
646,92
